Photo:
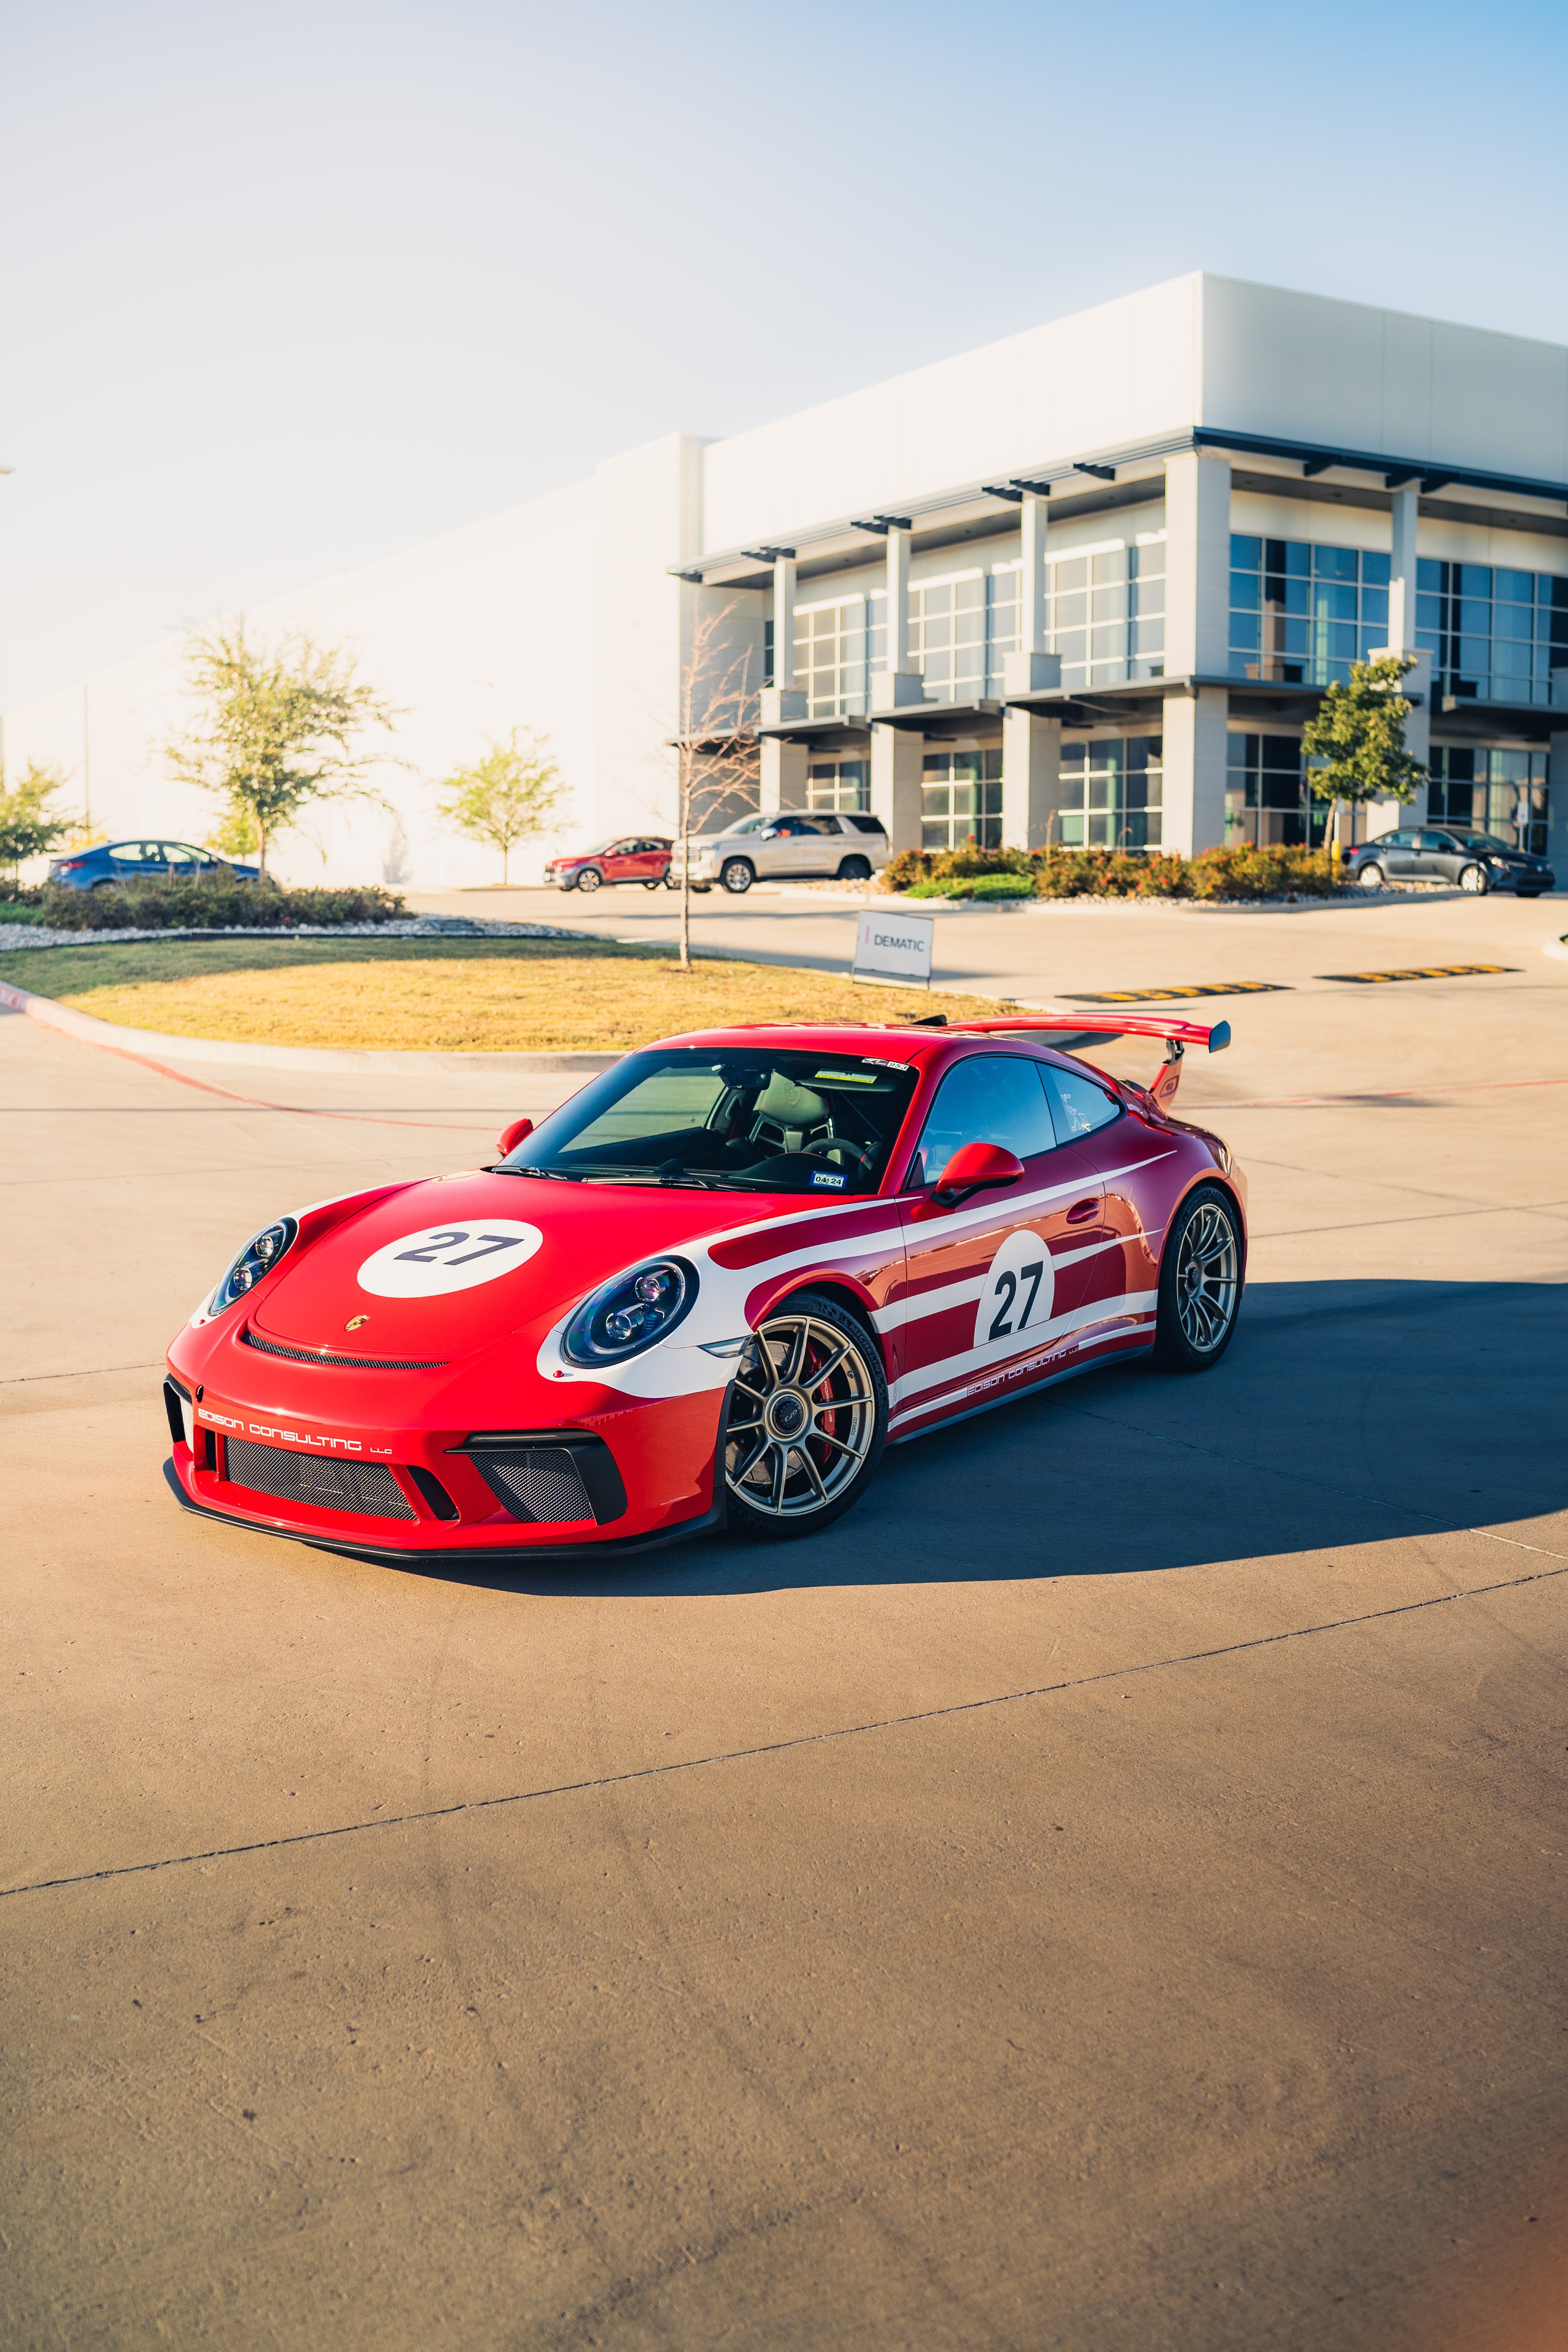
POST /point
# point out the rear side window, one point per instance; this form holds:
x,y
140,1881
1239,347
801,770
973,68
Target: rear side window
x,y
988,1098
864,823
1078,1105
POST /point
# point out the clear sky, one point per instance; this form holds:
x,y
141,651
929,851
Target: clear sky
x,y
287,289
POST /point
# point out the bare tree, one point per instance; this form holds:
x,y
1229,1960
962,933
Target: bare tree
x,y
716,753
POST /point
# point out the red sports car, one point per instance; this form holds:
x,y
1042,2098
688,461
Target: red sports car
x,y
622,857
713,1286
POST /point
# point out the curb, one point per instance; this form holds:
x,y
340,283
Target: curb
x,y
93,1032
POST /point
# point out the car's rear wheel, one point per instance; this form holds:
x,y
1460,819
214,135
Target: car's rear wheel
x,y
737,875
589,878
1473,879
1527,894
1372,877
807,1418
654,886
854,869
1200,1282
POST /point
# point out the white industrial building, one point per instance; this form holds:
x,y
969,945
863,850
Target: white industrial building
x,y
1082,585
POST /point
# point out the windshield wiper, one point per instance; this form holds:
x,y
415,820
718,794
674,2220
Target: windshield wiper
x,y
560,1174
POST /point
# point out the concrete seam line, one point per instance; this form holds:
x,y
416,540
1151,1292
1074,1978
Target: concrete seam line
x,y
806,1739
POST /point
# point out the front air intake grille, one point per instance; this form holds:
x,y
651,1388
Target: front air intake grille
x,y
350,1364
540,1482
367,1488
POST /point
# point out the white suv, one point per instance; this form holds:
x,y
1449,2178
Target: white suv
x,y
796,843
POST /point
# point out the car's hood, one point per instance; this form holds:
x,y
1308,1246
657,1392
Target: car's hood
x,y
441,1269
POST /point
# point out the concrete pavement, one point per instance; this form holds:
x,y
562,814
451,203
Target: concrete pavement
x,y
1107,1893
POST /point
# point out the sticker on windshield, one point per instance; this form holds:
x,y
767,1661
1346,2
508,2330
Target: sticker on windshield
x,y
427,1264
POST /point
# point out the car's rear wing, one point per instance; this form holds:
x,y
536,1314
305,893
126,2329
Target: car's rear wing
x,y
1106,1022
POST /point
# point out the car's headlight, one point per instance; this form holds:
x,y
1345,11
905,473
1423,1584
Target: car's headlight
x,y
258,1256
631,1313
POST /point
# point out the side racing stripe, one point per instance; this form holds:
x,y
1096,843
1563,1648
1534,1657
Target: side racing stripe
x,y
955,1369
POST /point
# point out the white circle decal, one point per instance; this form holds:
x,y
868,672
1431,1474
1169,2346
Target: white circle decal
x,y
1020,1290
449,1257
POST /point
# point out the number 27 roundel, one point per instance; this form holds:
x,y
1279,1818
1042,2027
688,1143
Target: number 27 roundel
x,y
447,1258
1018,1292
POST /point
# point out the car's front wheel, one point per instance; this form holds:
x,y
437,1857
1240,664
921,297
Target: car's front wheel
x,y
589,878
854,869
807,1418
1370,877
1200,1282
1474,880
737,875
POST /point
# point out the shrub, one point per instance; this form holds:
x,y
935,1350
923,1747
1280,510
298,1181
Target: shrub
x,y
218,905
1114,873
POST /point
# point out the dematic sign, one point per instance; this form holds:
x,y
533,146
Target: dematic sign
x,y
894,947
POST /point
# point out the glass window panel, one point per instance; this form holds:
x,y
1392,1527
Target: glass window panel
x,y
1334,563
1245,589
1247,554
1111,567
1375,607
1331,603
1291,637
1072,572
1109,605
1235,749
1374,570
1474,579
1475,656
1474,614
1513,620
1149,636
1071,612
1244,632
1515,587
1108,644
1428,611
1428,575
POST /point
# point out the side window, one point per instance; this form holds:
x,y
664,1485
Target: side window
x,y
126,853
1077,1104
1438,841
1403,840
988,1098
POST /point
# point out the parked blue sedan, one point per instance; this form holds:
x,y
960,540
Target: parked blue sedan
x,y
144,861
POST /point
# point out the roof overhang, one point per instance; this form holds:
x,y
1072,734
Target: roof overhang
x,y
1101,480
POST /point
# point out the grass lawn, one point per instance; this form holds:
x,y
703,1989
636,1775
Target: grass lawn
x,y
452,996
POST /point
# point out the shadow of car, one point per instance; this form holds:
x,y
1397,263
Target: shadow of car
x,y
144,861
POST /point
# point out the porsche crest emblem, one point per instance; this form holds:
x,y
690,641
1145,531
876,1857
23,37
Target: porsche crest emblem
x,y
354,1321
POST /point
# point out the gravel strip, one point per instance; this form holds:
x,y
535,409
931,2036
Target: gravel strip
x,y
423,927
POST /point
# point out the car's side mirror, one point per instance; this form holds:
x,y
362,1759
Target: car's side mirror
x,y
976,1167
510,1136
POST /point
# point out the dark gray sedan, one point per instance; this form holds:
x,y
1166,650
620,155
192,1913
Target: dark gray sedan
x,y
1476,861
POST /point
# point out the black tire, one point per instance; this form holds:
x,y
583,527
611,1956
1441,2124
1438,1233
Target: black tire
x,y
776,1487
590,879
654,886
1202,1275
737,875
1473,879
1527,894
1372,876
854,869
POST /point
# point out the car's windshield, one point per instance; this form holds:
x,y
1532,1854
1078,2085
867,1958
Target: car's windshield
x,y
751,1120
594,847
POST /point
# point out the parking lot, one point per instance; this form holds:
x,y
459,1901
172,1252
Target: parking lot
x,y
1107,1892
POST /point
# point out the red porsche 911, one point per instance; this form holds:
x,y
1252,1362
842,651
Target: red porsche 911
x,y
710,1288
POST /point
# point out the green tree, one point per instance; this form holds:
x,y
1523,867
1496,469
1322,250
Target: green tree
x,y
507,796
27,825
276,728
1358,736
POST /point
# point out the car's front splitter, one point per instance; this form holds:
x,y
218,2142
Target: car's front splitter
x,y
587,1547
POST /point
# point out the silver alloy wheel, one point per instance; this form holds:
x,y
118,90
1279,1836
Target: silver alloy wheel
x,y
589,878
1473,877
802,1417
1208,1277
737,875
1370,877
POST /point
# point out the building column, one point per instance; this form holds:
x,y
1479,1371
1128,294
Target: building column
x,y
1197,565
1031,776
898,754
1195,747
1031,670
783,781
898,685
1383,816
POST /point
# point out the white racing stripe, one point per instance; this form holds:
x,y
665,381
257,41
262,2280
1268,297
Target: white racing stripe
x,y
965,1360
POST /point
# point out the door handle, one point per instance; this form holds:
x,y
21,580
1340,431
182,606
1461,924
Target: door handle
x,y
1081,1211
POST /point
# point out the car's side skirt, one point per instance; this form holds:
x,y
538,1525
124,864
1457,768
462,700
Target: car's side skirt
x,y
939,1417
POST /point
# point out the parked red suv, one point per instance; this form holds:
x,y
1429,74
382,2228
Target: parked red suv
x,y
625,857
